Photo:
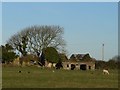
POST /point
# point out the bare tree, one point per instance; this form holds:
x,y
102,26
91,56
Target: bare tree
x,y
33,39
19,42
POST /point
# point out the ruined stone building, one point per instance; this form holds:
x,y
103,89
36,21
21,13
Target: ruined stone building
x,y
79,62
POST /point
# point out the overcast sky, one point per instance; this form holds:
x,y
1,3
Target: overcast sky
x,y
86,25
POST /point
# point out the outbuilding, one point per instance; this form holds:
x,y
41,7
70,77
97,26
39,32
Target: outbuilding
x,y
79,62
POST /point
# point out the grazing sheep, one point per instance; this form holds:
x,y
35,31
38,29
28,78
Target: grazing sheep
x,y
105,71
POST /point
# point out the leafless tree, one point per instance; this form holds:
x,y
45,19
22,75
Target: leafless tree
x,y
33,39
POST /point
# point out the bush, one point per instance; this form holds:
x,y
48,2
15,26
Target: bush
x,y
51,54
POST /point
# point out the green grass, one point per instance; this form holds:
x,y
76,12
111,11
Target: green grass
x,y
45,78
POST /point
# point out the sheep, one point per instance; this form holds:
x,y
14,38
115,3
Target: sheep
x,y
105,71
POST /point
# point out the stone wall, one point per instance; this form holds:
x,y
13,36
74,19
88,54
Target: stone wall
x,y
88,65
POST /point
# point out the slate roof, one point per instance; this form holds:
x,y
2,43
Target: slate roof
x,y
80,57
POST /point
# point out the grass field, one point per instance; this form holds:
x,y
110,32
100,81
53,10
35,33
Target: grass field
x,y
45,78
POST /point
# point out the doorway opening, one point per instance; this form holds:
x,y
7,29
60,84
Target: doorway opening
x,y
72,66
83,67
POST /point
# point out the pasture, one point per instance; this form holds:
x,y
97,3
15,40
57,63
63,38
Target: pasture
x,y
34,77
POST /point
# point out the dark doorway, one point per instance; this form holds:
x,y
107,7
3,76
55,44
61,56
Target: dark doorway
x,y
89,67
83,67
72,66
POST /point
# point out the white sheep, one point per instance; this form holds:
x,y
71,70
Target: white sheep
x,y
105,71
